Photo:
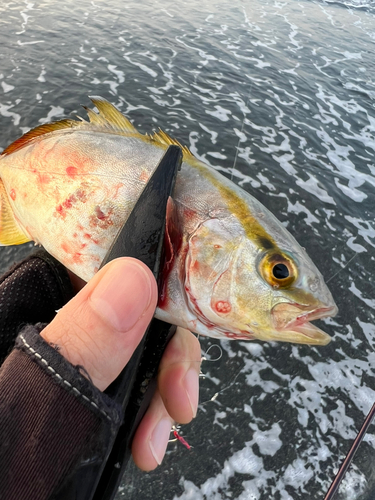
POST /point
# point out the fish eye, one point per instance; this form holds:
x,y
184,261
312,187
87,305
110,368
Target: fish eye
x,y
278,270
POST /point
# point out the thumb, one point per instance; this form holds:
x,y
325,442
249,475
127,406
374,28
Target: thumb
x,y
102,325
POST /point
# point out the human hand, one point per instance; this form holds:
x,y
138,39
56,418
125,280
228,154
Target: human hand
x,y
100,328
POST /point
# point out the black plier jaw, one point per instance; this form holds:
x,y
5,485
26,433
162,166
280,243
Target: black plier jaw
x,y
142,237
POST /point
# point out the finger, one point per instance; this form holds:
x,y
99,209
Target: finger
x,y
102,325
178,378
152,435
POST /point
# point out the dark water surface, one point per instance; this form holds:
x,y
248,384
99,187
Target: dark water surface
x,y
280,96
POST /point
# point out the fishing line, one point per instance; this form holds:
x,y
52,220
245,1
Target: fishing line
x,y
239,139
208,350
346,265
214,397
236,155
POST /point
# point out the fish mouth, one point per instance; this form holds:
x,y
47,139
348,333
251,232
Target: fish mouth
x,y
292,323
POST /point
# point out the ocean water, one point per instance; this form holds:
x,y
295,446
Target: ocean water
x,y
280,97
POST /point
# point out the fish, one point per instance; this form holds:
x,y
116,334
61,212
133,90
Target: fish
x,y
231,269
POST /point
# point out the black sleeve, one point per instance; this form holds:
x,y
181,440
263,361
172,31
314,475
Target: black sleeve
x,y
31,292
51,417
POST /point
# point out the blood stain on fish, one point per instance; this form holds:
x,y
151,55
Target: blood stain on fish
x,y
13,194
144,176
77,258
195,266
65,247
88,236
72,172
100,219
99,213
43,178
79,195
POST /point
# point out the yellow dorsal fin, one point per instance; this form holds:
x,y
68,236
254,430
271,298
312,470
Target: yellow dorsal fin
x,y
10,231
163,138
109,117
38,131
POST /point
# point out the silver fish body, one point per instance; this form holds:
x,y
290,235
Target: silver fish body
x,y
232,269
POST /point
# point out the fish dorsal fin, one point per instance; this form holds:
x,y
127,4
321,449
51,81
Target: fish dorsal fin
x,y
38,131
10,231
109,117
163,138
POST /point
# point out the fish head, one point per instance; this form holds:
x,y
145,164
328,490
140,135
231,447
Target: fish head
x,y
254,287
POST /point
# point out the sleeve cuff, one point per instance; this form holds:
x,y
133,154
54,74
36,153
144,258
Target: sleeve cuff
x,y
66,375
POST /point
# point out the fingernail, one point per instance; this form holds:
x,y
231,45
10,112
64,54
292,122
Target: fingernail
x,y
159,439
122,295
191,384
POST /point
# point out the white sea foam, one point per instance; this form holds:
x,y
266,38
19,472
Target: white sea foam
x,y
4,111
220,113
6,87
54,112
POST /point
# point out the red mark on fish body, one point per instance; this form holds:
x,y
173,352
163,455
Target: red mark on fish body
x,y
101,219
78,195
189,214
77,258
88,236
72,172
195,266
13,194
144,176
117,188
71,249
81,195
43,178
98,212
60,210
223,307
65,247
68,203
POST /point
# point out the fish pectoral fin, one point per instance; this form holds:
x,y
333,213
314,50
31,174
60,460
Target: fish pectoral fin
x,y
10,231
